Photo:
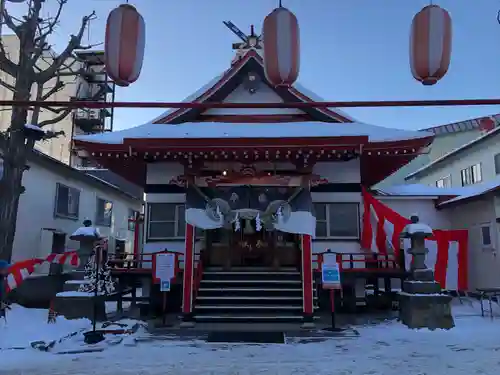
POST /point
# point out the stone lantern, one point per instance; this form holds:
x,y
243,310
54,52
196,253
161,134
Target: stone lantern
x,y
87,236
422,303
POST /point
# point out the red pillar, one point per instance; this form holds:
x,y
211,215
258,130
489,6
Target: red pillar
x,y
187,293
307,278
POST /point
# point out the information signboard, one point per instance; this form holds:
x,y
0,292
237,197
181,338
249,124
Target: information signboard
x,y
330,276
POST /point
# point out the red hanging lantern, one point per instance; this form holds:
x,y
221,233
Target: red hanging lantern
x,y
281,47
124,44
430,44
487,124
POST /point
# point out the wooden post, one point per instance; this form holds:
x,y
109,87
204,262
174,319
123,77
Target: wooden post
x,y
307,280
187,293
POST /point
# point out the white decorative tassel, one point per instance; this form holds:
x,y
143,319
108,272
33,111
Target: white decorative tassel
x,y
219,214
237,225
279,214
258,223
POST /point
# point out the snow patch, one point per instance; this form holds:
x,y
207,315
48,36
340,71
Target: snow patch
x,y
77,282
34,127
214,130
87,231
476,190
420,190
76,294
23,326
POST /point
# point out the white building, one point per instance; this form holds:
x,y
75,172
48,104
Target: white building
x,y
475,168
90,82
447,138
472,163
57,200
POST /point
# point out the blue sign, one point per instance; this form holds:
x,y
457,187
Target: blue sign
x,y
165,286
330,276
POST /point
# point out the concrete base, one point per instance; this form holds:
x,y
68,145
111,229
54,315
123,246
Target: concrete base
x,y
421,287
431,311
308,325
423,275
80,307
187,324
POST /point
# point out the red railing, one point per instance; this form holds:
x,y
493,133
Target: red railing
x,y
145,262
142,262
362,262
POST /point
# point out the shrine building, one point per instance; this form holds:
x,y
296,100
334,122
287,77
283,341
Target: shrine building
x,y
249,199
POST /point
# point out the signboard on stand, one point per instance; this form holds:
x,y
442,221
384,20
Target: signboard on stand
x,y
330,272
164,267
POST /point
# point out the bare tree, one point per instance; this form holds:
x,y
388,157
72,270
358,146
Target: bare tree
x,y
37,68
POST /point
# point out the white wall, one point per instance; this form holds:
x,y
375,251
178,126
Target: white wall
x,y
422,206
36,211
264,94
484,262
483,153
339,172
162,173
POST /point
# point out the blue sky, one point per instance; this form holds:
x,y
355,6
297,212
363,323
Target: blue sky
x,y
350,50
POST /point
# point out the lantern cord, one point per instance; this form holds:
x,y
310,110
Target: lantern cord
x,y
498,16
279,4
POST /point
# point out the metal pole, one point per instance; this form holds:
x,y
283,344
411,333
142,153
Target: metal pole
x,y
96,287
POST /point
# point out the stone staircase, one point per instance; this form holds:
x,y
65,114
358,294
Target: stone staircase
x,y
250,294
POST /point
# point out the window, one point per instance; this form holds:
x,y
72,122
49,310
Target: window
x,y
67,202
486,235
444,182
471,175
497,164
132,214
166,221
339,220
104,212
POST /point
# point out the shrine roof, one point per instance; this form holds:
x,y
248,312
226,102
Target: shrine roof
x,y
212,130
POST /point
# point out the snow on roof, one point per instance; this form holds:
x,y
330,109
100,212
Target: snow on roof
x,y
455,152
216,79
314,97
473,191
193,96
418,190
254,130
462,126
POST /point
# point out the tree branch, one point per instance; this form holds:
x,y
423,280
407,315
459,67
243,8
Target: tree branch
x,y
62,115
46,28
57,87
8,86
8,66
49,134
9,21
74,43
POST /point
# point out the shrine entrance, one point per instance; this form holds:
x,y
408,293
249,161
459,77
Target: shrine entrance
x,y
251,219
247,247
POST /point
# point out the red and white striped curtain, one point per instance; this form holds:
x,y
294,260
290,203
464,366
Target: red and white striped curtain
x,y
19,271
448,249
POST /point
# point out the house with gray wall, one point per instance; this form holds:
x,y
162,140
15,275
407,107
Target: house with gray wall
x,y
447,138
474,168
57,200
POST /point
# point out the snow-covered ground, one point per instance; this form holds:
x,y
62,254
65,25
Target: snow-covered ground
x,y
473,347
